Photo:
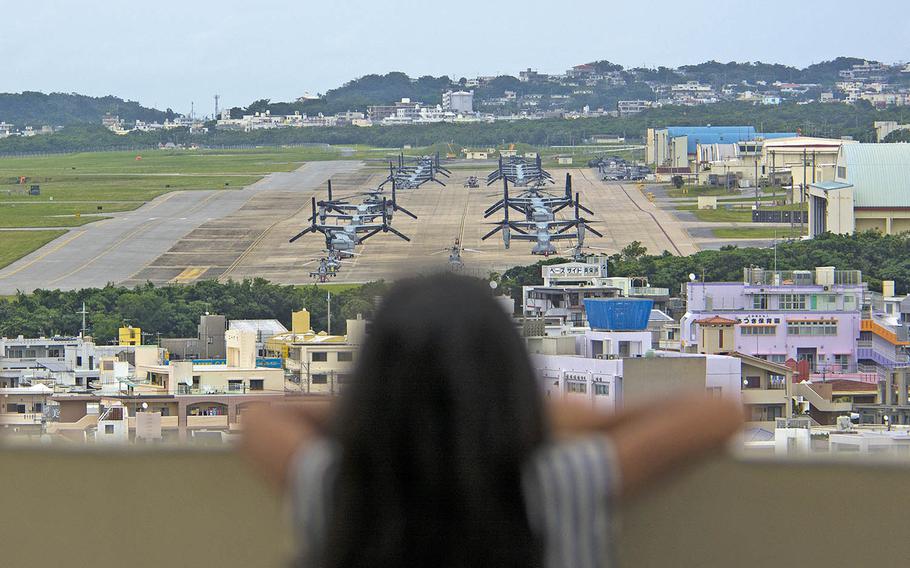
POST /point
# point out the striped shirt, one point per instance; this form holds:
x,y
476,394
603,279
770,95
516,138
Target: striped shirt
x,y
568,488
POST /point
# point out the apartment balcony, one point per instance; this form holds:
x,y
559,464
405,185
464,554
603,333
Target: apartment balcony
x,y
220,421
648,291
167,422
702,516
21,419
765,396
889,358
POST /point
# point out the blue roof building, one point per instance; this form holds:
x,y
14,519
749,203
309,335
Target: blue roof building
x,y
721,134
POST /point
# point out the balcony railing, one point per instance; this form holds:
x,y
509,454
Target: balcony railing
x,y
21,419
648,291
697,516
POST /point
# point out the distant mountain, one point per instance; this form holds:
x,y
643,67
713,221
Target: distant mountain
x,y
31,108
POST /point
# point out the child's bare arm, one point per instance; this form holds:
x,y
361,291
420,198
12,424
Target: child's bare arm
x,y
651,438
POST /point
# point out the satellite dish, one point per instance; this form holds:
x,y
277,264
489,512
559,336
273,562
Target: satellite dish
x,y
692,276
145,406
493,285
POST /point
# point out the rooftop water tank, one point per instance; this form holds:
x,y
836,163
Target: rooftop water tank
x,y
618,314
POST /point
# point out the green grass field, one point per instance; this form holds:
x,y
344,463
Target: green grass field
x,y
74,184
730,215
697,190
16,244
81,188
758,233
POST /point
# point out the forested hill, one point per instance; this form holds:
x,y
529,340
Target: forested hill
x,y
31,108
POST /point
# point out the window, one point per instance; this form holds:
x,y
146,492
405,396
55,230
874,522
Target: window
x,y
319,357
54,352
320,379
810,327
108,428
720,338
842,172
257,384
235,385
39,408
601,389
30,353
78,360
345,356
576,387
752,383
15,353
842,361
760,302
757,330
792,302
165,411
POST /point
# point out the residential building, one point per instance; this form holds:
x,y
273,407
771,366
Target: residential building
x,y
320,362
626,108
59,362
614,362
264,329
24,409
186,396
560,300
208,343
800,316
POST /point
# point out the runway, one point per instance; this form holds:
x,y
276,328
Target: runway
x,y
116,250
184,237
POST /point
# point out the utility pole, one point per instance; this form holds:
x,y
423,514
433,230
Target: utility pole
x,y
216,107
83,312
802,191
328,303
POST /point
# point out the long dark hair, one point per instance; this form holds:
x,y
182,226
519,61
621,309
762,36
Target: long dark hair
x,y
434,431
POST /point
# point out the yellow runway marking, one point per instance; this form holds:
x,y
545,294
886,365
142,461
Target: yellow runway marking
x,y
190,273
41,256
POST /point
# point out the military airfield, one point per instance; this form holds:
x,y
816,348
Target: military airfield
x,y
186,236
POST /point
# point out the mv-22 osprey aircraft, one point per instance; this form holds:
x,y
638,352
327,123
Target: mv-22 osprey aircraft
x,y
412,176
539,211
369,209
343,239
520,173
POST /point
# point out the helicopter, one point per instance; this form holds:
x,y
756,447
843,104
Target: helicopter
x,y
541,232
413,176
342,239
520,172
324,271
455,251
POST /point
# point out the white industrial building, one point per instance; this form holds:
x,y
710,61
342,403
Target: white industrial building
x,y
458,101
870,191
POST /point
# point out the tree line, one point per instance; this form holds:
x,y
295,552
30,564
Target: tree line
x,y
173,311
817,119
879,257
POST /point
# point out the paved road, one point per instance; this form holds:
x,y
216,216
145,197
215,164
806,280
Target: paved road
x,y
116,249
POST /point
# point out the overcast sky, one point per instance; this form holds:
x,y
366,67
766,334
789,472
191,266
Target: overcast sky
x,y
167,53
